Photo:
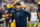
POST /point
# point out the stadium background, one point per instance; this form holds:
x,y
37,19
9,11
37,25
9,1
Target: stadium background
x,y
31,6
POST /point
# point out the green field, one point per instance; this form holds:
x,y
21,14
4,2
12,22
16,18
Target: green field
x,y
32,25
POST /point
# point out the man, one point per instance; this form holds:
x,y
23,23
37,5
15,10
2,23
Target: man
x,y
20,16
7,14
38,14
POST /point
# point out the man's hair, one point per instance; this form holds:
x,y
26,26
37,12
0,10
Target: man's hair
x,y
18,3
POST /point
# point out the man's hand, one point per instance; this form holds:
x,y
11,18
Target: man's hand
x,y
3,16
28,22
10,21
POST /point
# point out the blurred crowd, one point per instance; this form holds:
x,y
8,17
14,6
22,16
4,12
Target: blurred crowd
x,y
31,5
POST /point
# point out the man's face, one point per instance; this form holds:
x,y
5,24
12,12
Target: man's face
x,y
17,6
0,8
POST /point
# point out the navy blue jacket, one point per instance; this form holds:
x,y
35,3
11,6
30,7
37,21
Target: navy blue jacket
x,y
38,14
20,17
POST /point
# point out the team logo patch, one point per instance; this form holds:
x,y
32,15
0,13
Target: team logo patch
x,y
17,13
10,14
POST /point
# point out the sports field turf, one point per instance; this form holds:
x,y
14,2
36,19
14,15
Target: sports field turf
x,y
32,25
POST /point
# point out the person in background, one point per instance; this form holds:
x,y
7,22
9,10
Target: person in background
x,y
1,12
24,7
1,15
38,14
7,14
